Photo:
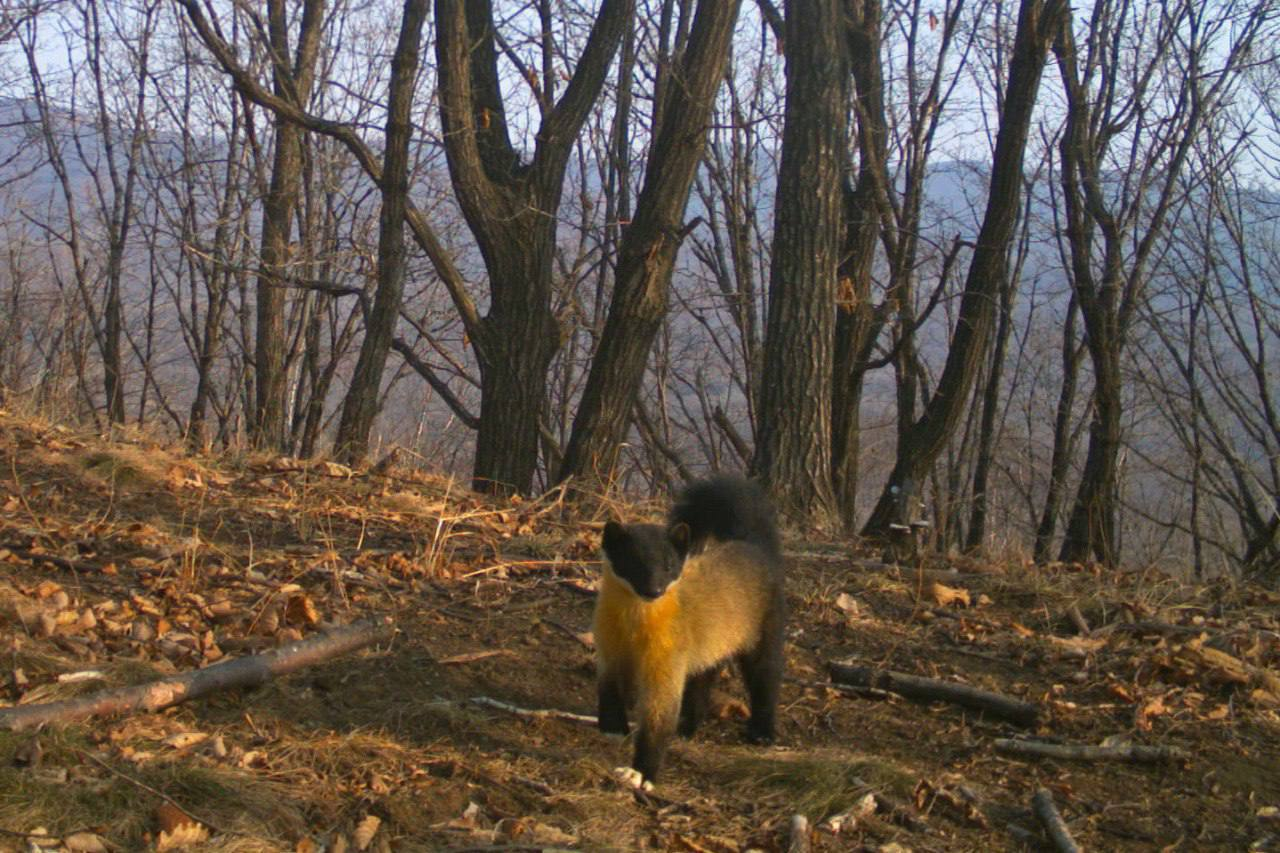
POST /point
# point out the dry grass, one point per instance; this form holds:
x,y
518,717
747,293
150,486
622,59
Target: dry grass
x,y
180,560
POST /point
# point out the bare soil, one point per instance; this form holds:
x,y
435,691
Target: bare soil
x,y
129,559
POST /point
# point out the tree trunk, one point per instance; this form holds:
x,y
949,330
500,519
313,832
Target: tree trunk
x,y
1063,437
977,533
1037,24
267,417
794,450
857,325
361,404
1091,527
649,247
511,208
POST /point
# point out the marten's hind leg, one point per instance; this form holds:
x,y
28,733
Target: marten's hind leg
x,y
696,702
762,671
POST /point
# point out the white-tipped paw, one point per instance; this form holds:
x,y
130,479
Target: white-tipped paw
x,y
631,777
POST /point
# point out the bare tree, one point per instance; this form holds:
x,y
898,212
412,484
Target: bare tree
x,y
649,244
511,206
361,403
1142,89
919,446
110,155
293,75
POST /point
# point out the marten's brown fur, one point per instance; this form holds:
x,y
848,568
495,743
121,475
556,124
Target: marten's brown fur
x,y
676,601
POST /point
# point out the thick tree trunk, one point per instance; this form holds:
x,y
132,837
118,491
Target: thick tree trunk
x,y
649,247
794,450
521,338
267,418
361,404
1037,24
511,209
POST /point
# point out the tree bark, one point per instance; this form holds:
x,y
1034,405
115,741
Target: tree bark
x,y
361,404
1037,24
857,321
292,78
986,449
648,250
511,209
1063,437
794,449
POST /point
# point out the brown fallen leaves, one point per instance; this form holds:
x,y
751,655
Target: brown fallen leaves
x,y
177,829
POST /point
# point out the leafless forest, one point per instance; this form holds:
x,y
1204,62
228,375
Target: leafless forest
x,y
1010,268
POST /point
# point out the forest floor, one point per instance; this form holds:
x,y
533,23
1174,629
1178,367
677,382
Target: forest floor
x,y
127,560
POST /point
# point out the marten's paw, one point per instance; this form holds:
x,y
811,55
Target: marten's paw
x,y
632,778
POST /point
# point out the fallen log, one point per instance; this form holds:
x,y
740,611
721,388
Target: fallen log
x,y
921,689
1054,825
162,693
1136,753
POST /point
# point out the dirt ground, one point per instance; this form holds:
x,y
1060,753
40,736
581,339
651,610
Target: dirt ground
x,y
123,561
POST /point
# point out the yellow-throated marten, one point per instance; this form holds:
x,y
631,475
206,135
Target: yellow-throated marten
x,y
676,601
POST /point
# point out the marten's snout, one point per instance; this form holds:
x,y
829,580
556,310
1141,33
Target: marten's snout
x,y
653,588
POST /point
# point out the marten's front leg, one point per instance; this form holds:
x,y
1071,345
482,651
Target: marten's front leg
x,y
611,706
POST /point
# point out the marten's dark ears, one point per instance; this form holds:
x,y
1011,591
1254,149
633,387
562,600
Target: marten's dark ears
x,y
614,535
679,535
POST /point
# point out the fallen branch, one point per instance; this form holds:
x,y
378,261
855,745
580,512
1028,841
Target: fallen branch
x,y
540,713
162,693
921,689
1088,752
1054,825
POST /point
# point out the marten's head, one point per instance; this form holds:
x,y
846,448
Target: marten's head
x,y
646,557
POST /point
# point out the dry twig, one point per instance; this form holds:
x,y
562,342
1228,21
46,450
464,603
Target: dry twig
x,y
541,713
161,794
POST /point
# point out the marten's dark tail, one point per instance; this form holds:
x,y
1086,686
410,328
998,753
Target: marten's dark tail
x,y
728,507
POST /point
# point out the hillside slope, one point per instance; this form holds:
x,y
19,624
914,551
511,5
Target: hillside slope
x,y
128,560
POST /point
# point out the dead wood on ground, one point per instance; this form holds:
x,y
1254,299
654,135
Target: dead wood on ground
x,y
1136,753
1054,825
921,689
162,693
